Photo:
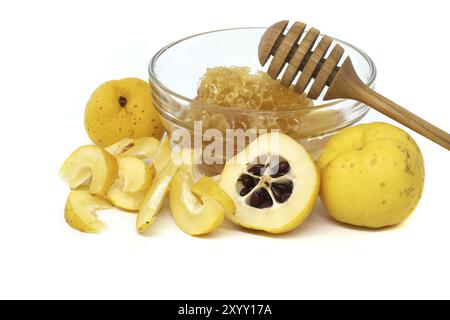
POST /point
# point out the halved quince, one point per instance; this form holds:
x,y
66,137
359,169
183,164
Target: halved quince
x,y
80,211
274,184
156,194
198,208
133,179
91,165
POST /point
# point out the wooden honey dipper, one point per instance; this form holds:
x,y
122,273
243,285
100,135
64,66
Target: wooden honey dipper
x,y
342,82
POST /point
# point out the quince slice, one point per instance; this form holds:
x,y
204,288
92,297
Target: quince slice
x,y
198,208
209,186
91,165
126,200
80,211
133,180
134,174
143,148
120,147
156,194
163,154
148,149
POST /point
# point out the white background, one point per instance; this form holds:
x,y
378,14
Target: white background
x,y
54,53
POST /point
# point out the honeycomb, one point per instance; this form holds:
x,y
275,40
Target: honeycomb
x,y
238,87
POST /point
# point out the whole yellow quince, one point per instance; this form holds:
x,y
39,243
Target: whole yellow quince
x,y
372,175
121,109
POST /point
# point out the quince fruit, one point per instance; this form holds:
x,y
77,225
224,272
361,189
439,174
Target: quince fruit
x,y
372,175
121,109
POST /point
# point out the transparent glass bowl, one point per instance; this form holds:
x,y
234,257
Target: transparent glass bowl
x,y
176,69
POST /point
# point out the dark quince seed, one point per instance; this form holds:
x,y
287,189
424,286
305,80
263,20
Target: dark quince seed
x,y
266,204
281,169
255,200
257,169
261,199
277,193
247,181
276,175
284,187
244,191
285,197
289,185
284,167
282,191
264,194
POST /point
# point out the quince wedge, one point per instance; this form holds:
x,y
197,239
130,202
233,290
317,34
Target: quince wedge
x,y
120,147
209,186
156,194
198,208
148,149
80,211
163,154
142,148
133,179
90,165
134,174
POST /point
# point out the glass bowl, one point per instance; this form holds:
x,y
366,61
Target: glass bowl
x,y
175,72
